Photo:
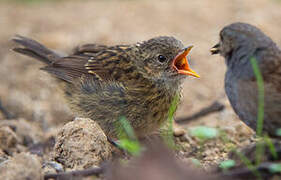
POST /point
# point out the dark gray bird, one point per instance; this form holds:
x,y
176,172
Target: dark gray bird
x,y
137,81
239,42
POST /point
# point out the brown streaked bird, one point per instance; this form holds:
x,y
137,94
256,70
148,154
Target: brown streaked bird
x,y
239,42
138,81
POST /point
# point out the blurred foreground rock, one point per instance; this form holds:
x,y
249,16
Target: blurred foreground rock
x,y
157,163
81,144
21,166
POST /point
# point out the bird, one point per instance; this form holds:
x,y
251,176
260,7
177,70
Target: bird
x,y
239,43
105,83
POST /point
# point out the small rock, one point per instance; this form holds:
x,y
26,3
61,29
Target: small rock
x,y
3,156
8,139
52,167
178,130
81,144
21,166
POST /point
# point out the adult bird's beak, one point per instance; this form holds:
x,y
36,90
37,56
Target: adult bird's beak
x,y
215,49
180,63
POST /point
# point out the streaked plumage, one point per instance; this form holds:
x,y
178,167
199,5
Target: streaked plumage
x,y
107,82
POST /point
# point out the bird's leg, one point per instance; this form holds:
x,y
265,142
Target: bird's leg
x,y
114,143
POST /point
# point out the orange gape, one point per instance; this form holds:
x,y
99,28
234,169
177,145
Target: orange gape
x,y
180,63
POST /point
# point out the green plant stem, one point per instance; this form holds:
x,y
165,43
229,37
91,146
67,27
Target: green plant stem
x,y
271,147
248,163
260,148
260,114
260,96
169,136
242,157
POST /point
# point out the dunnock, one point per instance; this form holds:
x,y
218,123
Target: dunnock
x,y
239,42
104,83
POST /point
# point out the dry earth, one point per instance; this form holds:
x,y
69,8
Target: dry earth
x,y
31,94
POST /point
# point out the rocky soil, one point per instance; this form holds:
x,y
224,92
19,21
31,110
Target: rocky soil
x,y
39,134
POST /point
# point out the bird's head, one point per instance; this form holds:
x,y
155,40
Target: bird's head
x,y
164,58
239,42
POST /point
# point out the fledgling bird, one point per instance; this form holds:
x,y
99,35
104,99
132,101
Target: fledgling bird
x,y
239,42
104,83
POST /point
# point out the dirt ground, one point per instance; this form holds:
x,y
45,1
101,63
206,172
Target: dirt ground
x,y
31,94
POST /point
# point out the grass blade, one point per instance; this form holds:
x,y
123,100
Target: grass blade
x,y
127,139
260,84
260,114
168,136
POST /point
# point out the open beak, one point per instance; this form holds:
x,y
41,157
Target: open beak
x,y
180,63
215,49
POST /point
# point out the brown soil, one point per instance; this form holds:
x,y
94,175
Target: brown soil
x,y
32,96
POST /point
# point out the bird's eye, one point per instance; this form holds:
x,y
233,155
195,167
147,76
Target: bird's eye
x,y
161,58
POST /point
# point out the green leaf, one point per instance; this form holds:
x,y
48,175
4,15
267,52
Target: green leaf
x,y
275,168
227,164
278,132
127,138
195,162
127,128
203,132
133,147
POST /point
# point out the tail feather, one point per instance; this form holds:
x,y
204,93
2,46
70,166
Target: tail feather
x,y
34,49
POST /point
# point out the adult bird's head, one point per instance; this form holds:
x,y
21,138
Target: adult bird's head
x,y
240,41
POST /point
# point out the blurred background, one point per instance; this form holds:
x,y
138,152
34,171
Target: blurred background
x,y
32,94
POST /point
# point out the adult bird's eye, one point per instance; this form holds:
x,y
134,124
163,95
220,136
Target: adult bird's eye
x,y
161,58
